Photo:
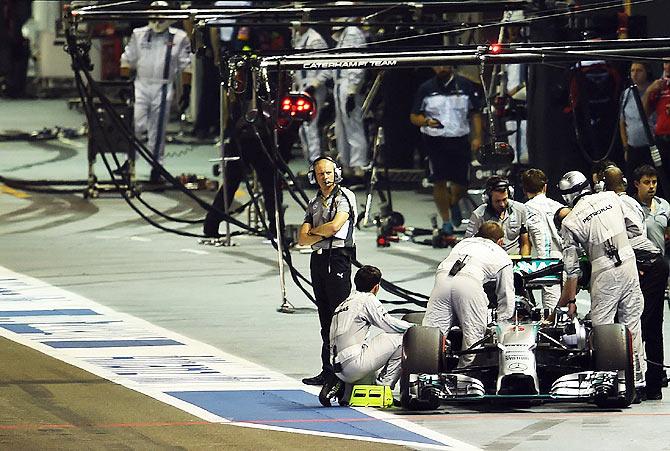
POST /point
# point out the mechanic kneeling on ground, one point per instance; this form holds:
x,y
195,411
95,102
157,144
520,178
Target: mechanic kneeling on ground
x,y
601,225
653,272
458,293
353,351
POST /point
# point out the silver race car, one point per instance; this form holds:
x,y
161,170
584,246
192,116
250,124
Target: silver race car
x,y
567,360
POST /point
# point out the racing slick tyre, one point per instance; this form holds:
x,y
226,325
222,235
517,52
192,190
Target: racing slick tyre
x,y
612,349
414,317
422,349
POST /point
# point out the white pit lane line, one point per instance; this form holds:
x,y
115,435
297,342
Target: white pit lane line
x,y
139,238
154,361
194,251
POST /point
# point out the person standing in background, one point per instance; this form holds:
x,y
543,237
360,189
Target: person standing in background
x,y
544,237
633,136
657,100
352,146
446,107
159,54
312,82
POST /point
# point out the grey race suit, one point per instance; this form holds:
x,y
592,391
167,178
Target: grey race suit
x,y
354,352
352,147
596,222
513,224
309,131
146,52
462,296
545,239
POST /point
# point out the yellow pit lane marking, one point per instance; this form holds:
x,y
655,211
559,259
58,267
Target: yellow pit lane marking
x,y
13,192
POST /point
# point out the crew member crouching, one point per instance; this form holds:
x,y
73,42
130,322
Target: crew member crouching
x,y
354,352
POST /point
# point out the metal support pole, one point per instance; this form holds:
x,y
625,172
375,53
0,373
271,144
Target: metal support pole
x,y
286,306
376,148
224,161
371,95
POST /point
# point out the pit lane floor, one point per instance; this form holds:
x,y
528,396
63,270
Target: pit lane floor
x,y
227,298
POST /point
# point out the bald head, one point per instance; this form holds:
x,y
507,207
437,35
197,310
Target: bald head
x,y
614,181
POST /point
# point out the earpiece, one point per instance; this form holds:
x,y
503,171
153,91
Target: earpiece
x,y
311,176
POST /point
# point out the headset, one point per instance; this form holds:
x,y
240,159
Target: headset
x,y
311,176
496,183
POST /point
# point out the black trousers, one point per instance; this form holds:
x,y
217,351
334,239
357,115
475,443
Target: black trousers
x,y
653,280
253,156
207,120
331,281
663,144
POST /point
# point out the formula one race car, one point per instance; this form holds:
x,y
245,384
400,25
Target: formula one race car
x,y
567,360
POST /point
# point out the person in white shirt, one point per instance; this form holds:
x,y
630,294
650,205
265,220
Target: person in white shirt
x,y
352,146
458,294
313,82
159,54
354,351
602,226
544,237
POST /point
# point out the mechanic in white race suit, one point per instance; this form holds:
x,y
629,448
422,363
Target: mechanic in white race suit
x,y
356,352
352,147
313,82
458,294
544,237
159,54
602,226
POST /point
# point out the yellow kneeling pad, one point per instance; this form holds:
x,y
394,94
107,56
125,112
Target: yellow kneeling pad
x,y
371,396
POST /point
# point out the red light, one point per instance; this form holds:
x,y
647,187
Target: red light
x,y
297,106
495,48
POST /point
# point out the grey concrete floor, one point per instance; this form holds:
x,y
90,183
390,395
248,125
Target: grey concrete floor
x,y
227,297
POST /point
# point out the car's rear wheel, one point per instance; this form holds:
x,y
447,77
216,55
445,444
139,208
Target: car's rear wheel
x,y
612,349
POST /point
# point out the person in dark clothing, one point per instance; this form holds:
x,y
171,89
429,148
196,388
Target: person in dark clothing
x,y
14,48
329,229
254,153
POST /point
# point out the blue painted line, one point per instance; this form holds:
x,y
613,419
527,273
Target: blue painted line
x,y
54,312
110,343
23,329
295,409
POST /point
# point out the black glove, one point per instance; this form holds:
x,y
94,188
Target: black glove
x,y
351,103
310,90
185,98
